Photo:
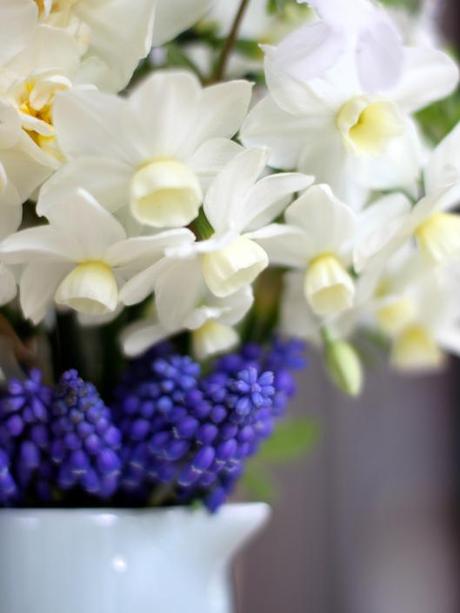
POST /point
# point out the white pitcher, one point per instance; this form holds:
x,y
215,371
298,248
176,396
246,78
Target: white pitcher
x,y
121,561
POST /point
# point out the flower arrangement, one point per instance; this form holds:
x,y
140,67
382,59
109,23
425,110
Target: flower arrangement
x,y
171,235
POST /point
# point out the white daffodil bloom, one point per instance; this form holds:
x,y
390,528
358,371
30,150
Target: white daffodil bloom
x,y
346,136
112,35
432,222
431,324
299,320
174,16
358,27
21,170
31,81
238,206
211,323
318,239
155,151
81,258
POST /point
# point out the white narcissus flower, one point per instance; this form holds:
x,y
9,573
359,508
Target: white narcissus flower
x,y
31,81
432,221
238,206
359,27
174,16
299,320
21,172
431,325
347,137
155,151
81,259
318,239
211,323
112,35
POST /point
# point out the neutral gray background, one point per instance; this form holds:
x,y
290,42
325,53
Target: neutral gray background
x,y
366,523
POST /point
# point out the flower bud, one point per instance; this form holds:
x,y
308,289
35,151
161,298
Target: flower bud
x,y
344,366
165,193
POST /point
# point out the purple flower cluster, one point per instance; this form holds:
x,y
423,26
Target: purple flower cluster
x,y
187,437
85,444
24,439
171,436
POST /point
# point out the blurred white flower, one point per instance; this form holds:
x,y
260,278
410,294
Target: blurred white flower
x,y
155,151
318,239
431,324
112,35
432,221
81,258
357,27
174,16
211,323
347,137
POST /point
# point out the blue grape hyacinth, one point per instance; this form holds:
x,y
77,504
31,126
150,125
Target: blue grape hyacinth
x,y
190,436
24,440
152,397
85,444
171,436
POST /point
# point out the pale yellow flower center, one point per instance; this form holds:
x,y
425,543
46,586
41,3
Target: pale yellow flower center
x,y
34,99
328,287
90,288
439,237
369,126
165,193
416,349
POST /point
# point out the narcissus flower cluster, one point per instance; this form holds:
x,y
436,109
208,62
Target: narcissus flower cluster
x,y
144,192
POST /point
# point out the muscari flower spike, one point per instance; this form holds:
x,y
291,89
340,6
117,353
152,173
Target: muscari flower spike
x,y
85,444
150,398
193,435
24,440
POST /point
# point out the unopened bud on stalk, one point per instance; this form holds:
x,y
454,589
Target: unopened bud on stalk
x,y
344,366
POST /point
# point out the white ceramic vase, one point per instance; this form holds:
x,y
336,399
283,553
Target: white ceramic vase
x,y
122,561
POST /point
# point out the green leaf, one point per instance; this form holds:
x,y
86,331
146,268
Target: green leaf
x,y
291,440
440,118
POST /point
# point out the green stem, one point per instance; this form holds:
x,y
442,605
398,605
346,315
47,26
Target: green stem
x,y
230,42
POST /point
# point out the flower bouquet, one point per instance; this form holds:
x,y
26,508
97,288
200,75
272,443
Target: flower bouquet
x,y
171,236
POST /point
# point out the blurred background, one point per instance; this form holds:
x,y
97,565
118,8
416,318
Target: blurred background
x,y
368,521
